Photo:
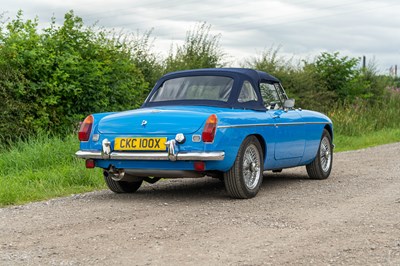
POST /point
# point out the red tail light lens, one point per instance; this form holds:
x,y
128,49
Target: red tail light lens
x,y
86,128
210,128
199,166
90,163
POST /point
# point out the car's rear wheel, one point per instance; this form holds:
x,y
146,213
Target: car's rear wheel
x,y
321,167
244,179
122,186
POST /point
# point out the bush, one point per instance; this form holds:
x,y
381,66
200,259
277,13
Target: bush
x,y
300,80
57,77
145,59
200,50
13,110
324,82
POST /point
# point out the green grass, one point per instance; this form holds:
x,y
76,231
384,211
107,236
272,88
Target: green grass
x,y
384,136
44,168
360,125
363,119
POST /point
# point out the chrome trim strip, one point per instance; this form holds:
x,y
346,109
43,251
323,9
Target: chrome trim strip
x,y
201,156
275,124
153,156
247,125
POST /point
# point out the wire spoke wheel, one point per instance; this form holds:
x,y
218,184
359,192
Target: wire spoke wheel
x,y
321,167
325,153
244,179
251,166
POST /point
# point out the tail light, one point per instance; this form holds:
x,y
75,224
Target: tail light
x,y
86,128
210,128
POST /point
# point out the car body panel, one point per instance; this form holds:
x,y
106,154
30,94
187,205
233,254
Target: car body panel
x,y
157,121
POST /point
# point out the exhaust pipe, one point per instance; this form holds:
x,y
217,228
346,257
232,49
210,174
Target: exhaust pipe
x,y
116,175
121,175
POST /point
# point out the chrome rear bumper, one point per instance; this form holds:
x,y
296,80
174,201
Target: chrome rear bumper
x,y
171,154
153,156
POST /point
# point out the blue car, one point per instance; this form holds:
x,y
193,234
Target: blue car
x,y
230,123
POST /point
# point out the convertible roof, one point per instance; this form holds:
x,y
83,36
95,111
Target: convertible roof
x,y
238,74
251,73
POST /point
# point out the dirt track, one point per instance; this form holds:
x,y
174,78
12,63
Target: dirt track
x,y
352,218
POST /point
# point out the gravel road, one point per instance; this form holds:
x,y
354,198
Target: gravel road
x,y
352,218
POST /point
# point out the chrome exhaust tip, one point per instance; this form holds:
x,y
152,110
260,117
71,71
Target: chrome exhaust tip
x,y
116,175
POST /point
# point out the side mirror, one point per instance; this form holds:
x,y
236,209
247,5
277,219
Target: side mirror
x,y
288,104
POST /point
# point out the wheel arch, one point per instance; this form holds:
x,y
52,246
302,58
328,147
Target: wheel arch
x,y
262,143
328,127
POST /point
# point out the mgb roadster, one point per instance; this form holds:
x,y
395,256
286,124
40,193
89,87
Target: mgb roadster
x,y
230,123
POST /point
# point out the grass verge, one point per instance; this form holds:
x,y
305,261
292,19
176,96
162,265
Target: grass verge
x,y
44,168
370,139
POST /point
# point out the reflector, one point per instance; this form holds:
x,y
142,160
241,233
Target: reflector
x,y
199,166
90,163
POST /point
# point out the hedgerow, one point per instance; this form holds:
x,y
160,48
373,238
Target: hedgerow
x,y
51,78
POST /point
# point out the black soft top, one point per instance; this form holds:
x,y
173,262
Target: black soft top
x,y
239,75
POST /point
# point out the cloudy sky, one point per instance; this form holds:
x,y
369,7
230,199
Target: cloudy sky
x,y
302,28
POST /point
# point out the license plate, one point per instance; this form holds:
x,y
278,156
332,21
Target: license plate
x,y
140,144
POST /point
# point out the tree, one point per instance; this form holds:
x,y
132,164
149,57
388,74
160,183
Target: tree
x,y
200,50
148,62
341,75
299,80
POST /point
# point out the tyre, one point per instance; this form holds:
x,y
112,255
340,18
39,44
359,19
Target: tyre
x,y
321,167
244,179
122,186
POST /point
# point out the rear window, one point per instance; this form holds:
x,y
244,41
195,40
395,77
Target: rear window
x,y
215,88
